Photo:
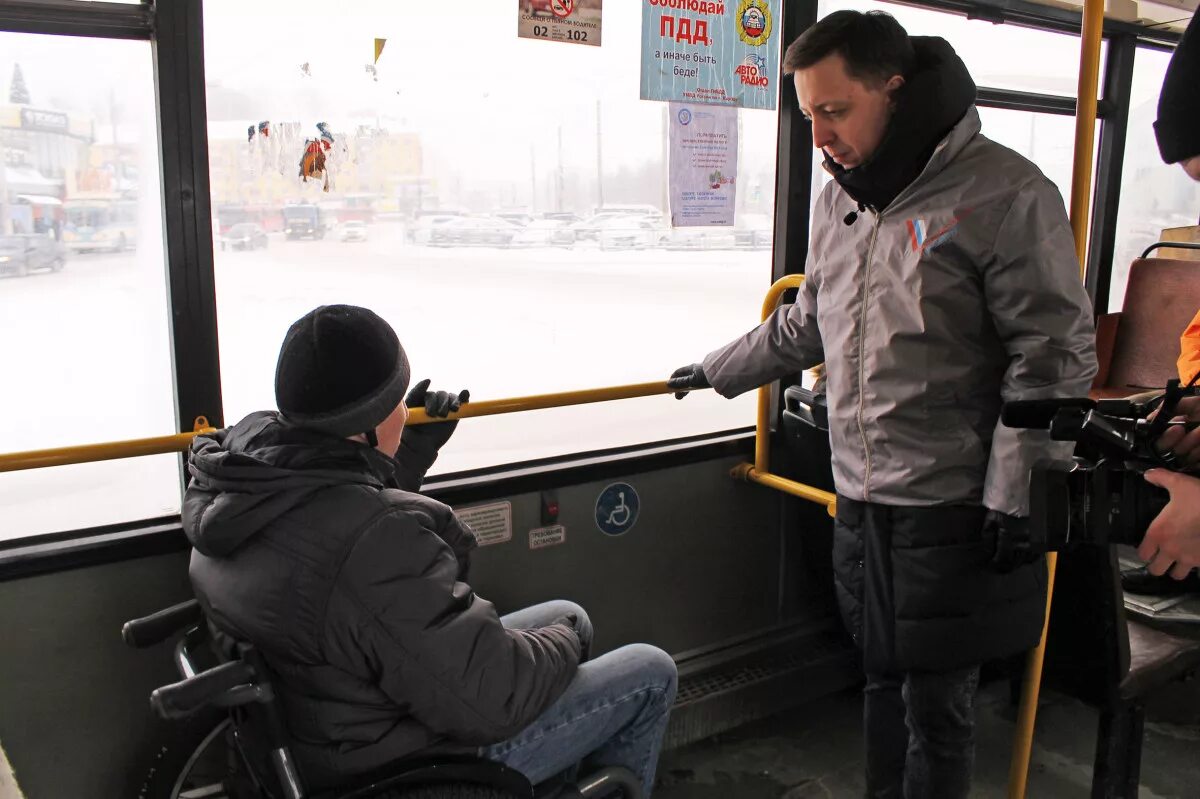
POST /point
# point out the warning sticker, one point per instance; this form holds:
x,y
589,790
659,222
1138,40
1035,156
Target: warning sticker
x,y
572,21
542,537
492,524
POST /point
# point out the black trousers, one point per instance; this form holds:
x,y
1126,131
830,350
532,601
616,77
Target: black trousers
x,y
919,730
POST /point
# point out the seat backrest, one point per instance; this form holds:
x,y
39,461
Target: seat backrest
x,y
1087,649
1161,298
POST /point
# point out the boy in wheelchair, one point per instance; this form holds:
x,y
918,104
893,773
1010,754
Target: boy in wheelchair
x,y
312,543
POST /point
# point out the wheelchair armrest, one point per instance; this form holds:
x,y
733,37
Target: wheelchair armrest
x,y
803,405
158,627
226,685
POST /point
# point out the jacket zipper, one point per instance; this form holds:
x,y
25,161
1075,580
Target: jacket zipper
x,y
862,379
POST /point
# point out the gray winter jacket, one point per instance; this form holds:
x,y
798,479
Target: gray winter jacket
x,y
352,588
962,294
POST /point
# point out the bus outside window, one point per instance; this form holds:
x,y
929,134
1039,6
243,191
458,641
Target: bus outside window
x,y
100,223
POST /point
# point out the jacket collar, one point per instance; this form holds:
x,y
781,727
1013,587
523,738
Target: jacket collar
x,y
936,98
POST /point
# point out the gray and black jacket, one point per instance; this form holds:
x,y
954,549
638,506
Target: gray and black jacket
x,y
941,282
316,550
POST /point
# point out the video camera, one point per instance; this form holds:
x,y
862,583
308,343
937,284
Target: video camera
x,y
1099,496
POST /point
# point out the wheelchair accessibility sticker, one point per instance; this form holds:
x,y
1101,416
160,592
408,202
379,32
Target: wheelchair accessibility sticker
x,y
617,509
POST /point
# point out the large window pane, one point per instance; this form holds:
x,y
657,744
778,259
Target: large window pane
x,y
998,56
83,317
1154,195
504,211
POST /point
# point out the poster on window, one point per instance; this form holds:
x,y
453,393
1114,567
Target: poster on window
x,y
571,21
715,53
703,165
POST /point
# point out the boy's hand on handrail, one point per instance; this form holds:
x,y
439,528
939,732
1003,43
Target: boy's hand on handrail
x,y
688,378
427,439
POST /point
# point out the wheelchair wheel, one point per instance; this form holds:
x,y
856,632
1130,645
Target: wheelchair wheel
x,y
194,760
446,792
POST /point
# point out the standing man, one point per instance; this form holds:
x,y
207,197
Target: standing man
x,y
941,282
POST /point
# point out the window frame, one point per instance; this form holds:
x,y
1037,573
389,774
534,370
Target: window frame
x,y
174,27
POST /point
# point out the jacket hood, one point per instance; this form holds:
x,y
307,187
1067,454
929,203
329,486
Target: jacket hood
x,y
246,476
937,94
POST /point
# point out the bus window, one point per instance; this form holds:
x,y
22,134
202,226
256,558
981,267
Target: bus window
x,y
454,157
1154,196
988,49
83,314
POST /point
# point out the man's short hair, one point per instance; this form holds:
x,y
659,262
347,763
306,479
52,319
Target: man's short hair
x,y
873,44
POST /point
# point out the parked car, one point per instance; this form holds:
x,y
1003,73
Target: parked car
x,y
544,233
422,230
244,236
587,229
516,217
702,238
474,231
632,233
354,230
753,232
21,254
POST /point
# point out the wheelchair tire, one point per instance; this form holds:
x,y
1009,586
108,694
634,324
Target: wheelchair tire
x,y
447,792
191,757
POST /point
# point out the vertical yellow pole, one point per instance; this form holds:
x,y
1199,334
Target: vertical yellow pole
x,y
762,428
1081,184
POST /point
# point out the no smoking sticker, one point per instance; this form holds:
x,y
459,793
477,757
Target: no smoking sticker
x,y
570,21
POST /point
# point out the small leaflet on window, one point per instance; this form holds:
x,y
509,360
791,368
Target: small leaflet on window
x,y
570,21
542,537
703,167
723,52
492,523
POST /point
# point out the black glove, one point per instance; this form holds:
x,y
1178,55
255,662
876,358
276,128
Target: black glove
x,y
1007,538
429,438
419,444
687,378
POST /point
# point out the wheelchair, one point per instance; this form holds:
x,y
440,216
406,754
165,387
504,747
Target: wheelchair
x,y
239,744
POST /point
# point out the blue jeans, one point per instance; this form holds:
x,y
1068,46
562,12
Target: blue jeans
x,y
920,734
613,713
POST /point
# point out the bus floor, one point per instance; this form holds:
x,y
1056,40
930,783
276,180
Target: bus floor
x,y
816,751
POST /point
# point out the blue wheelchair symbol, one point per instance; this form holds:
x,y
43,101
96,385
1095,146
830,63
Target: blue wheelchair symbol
x,y
617,509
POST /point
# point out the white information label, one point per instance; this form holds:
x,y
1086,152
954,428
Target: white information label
x,y
492,524
547,536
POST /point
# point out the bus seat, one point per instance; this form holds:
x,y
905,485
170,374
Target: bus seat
x,y
1096,654
1138,346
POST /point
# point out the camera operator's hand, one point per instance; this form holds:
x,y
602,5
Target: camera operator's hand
x,y
687,378
1007,538
1185,444
1173,539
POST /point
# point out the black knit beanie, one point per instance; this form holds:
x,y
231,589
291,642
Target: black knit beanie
x,y
341,371
1178,124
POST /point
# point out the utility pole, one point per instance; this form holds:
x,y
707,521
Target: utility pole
x,y
665,199
599,160
558,179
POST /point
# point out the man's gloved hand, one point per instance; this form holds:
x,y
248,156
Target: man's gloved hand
x,y
1007,538
427,439
687,378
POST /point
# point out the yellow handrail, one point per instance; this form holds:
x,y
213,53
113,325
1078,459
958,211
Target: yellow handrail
x,y
64,456
760,471
112,450
1091,36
